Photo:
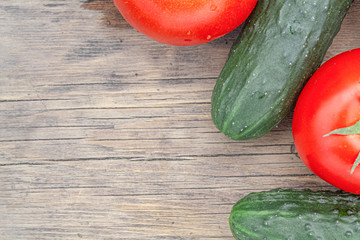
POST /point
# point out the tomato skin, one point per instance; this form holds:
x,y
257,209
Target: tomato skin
x,y
185,22
331,100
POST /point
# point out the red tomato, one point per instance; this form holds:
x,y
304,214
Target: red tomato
x,y
331,100
185,22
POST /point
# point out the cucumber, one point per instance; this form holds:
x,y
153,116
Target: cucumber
x,y
282,43
284,214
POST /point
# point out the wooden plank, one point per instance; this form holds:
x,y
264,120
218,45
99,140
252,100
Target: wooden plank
x,y
106,134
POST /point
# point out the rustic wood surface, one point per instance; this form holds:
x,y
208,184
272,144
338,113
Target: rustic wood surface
x,y
105,134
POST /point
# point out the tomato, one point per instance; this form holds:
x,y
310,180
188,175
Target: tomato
x,y
185,22
330,101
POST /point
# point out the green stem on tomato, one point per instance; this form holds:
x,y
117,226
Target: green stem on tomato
x,y
354,129
356,163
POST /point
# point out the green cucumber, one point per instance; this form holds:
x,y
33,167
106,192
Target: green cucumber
x,y
284,214
282,43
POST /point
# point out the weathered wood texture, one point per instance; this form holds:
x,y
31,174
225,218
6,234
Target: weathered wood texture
x,y
106,134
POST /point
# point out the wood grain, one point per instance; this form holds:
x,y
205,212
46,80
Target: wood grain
x,y
106,134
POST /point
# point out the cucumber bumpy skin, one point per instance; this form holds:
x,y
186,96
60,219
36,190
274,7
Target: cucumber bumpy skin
x,y
282,43
285,214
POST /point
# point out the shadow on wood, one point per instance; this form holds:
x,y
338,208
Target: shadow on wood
x,y
112,16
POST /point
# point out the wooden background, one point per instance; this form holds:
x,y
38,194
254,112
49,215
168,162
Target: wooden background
x,y
105,134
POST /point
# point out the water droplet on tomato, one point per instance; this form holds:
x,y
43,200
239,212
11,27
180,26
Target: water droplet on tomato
x,y
213,7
